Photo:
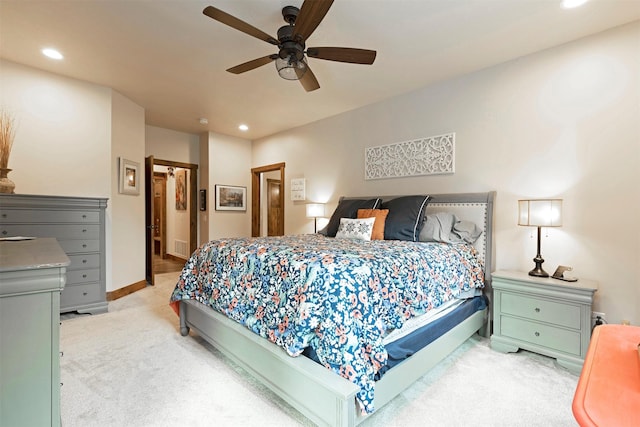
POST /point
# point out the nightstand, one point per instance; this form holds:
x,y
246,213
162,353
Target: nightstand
x,y
543,315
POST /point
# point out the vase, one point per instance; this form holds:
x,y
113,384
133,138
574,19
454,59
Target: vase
x,y
6,185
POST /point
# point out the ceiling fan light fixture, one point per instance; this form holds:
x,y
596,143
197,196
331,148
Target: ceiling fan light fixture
x,y
291,68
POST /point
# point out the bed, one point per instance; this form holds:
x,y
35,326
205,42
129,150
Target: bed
x,y
317,391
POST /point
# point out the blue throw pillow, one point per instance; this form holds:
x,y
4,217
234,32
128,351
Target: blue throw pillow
x,y
347,209
405,218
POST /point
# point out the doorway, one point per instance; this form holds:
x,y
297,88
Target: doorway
x,y
150,217
256,180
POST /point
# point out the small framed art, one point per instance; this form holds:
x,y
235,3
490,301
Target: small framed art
x,y
231,198
129,177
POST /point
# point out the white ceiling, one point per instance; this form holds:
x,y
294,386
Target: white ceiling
x,y
171,59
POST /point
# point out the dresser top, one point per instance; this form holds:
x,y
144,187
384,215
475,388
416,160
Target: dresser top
x,y
16,255
581,284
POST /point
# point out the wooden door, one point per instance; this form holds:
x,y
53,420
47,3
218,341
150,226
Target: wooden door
x,y
274,208
148,219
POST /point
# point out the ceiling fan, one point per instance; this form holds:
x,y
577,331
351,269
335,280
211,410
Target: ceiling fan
x,y
290,60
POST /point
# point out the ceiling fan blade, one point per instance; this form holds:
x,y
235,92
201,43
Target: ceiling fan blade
x,y
238,24
343,54
308,80
311,14
250,65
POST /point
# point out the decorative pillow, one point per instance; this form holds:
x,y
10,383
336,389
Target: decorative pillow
x,y
378,226
405,218
348,209
355,228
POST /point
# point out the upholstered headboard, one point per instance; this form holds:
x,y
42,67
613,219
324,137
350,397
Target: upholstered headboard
x,y
474,207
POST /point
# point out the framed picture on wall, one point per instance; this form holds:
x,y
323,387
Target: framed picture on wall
x,y
181,190
231,198
129,177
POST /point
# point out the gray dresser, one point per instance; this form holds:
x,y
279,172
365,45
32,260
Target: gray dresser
x,y
32,274
78,223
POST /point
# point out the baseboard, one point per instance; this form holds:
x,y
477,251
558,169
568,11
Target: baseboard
x,y
175,258
119,293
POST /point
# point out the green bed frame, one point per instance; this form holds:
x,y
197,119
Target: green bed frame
x,y
322,396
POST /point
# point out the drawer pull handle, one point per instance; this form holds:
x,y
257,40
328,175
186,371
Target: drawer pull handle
x,y
4,232
84,245
84,294
537,310
537,334
84,216
84,261
84,231
84,276
4,215
62,354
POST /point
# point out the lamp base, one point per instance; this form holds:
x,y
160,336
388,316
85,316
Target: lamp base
x,y
538,271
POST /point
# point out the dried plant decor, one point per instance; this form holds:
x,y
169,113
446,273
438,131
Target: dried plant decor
x,y
7,134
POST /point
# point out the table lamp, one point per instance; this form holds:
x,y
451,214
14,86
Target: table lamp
x,y
315,211
540,213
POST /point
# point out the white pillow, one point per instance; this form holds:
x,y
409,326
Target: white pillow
x,y
355,228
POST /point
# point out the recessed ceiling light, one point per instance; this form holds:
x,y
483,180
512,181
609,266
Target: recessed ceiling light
x,y
52,53
570,4
203,121
243,128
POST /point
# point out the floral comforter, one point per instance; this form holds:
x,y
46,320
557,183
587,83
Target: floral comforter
x,y
341,296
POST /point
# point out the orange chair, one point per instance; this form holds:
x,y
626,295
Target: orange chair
x,y
608,392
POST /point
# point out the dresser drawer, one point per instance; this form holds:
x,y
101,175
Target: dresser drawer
x,y
564,340
59,231
83,276
19,216
76,246
82,262
557,313
77,295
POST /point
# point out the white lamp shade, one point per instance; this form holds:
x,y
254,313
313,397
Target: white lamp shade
x,y
315,210
540,213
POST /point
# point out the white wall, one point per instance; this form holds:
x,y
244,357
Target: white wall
x,y
127,211
560,123
229,164
63,136
171,145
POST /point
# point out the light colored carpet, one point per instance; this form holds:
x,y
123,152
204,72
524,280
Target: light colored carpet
x,y
132,367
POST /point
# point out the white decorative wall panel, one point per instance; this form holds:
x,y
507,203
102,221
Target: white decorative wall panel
x,y
425,156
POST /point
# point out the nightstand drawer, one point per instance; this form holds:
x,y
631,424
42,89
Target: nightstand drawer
x,y
557,313
540,334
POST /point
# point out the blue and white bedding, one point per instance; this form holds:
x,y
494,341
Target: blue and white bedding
x,y
339,296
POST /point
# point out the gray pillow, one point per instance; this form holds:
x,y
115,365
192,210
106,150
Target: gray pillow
x,y
466,230
445,227
437,227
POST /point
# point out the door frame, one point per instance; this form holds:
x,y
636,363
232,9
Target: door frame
x,y
255,196
150,162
